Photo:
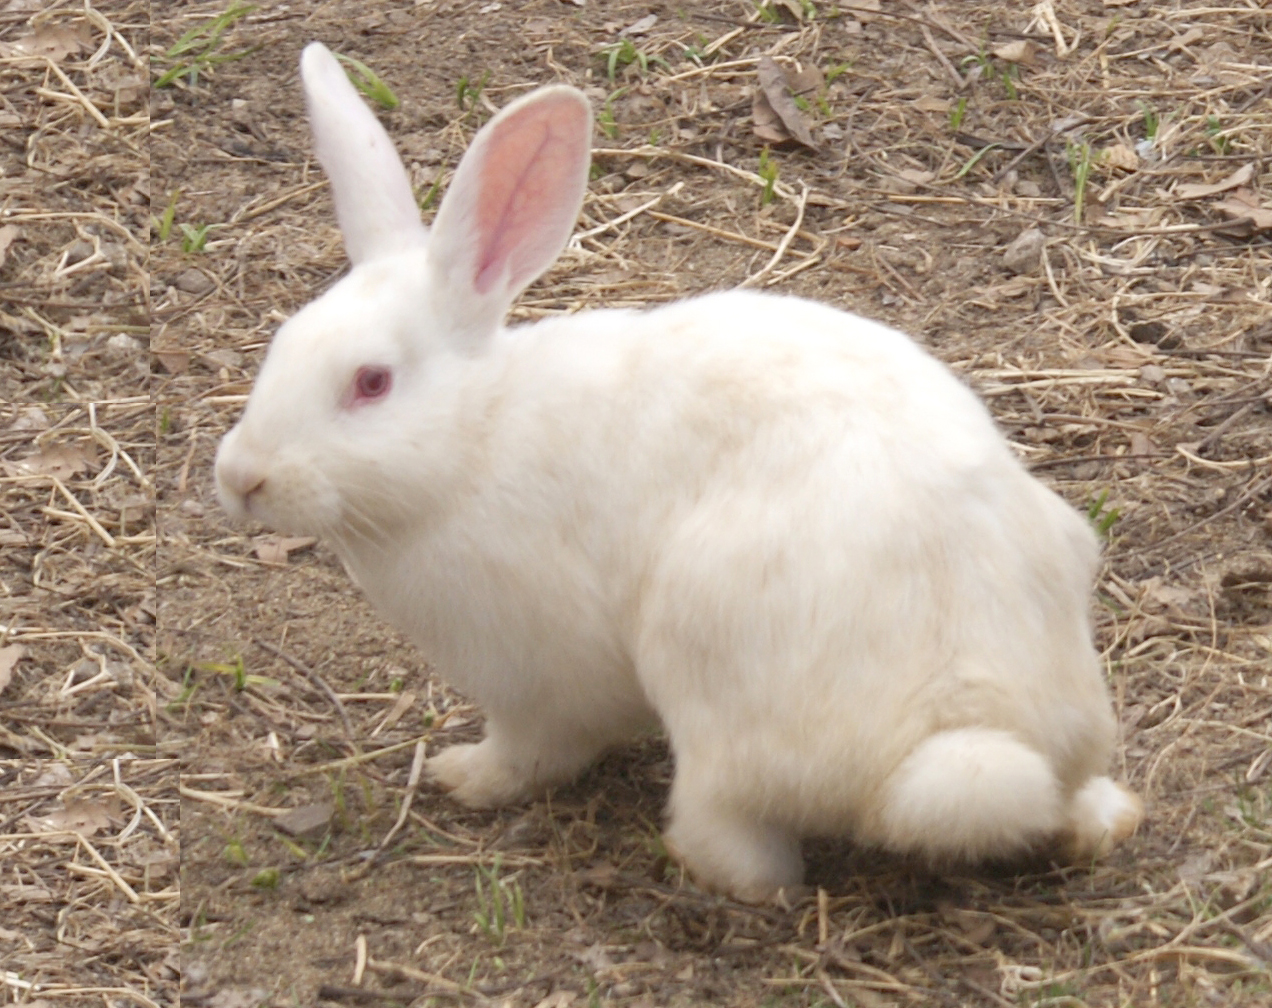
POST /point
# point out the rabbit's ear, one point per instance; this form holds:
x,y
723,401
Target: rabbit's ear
x,y
374,203
512,204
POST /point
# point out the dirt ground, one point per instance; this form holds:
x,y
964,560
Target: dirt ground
x,y
1068,202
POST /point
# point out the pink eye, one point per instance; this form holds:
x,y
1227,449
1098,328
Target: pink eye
x,y
371,383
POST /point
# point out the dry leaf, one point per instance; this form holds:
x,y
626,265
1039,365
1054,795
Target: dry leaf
x,y
60,461
775,92
7,234
274,549
1125,356
173,361
1157,596
54,775
642,26
1020,51
1195,190
765,123
306,820
54,42
918,176
1121,156
928,103
1244,204
808,81
85,817
1133,218
9,657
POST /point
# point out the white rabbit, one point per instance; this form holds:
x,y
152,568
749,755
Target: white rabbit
x,y
783,532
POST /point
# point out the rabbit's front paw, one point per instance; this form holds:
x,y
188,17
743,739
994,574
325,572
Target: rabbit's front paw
x,y
477,776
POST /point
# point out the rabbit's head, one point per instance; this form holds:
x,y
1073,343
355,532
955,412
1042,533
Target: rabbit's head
x,y
359,379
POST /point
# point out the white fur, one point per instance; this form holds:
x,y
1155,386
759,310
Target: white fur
x,y
1103,813
784,532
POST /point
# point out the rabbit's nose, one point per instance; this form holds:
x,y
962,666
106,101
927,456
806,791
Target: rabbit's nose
x,y
237,478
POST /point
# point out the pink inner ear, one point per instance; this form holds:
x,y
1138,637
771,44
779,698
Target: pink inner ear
x,y
526,193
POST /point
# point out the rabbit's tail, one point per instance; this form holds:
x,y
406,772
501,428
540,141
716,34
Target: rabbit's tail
x,y
969,794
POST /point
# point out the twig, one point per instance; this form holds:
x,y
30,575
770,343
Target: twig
x,y
784,244
314,678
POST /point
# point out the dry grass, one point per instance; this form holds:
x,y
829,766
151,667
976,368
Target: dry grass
x,y
1127,356
90,897
76,169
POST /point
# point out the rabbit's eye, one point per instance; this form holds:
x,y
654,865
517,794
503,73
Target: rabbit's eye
x,y
371,383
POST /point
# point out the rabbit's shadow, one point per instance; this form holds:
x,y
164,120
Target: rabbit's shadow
x,y
619,803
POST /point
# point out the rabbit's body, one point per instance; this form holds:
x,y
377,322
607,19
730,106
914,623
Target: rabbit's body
x,y
785,533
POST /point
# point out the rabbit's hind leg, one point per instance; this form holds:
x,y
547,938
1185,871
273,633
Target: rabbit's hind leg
x,y
728,852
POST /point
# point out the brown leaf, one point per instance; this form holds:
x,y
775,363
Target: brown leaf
x,y
1020,51
55,42
9,657
274,549
85,817
7,234
1120,155
1242,204
1196,190
173,361
642,26
808,82
61,461
776,91
765,123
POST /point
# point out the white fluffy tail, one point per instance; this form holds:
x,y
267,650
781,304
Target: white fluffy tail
x,y
970,794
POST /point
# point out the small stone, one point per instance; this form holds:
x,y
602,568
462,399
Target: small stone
x,y
1152,374
123,345
194,281
1147,332
307,820
79,251
1024,254
30,418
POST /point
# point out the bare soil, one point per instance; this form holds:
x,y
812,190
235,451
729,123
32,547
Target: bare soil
x,y
1126,352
